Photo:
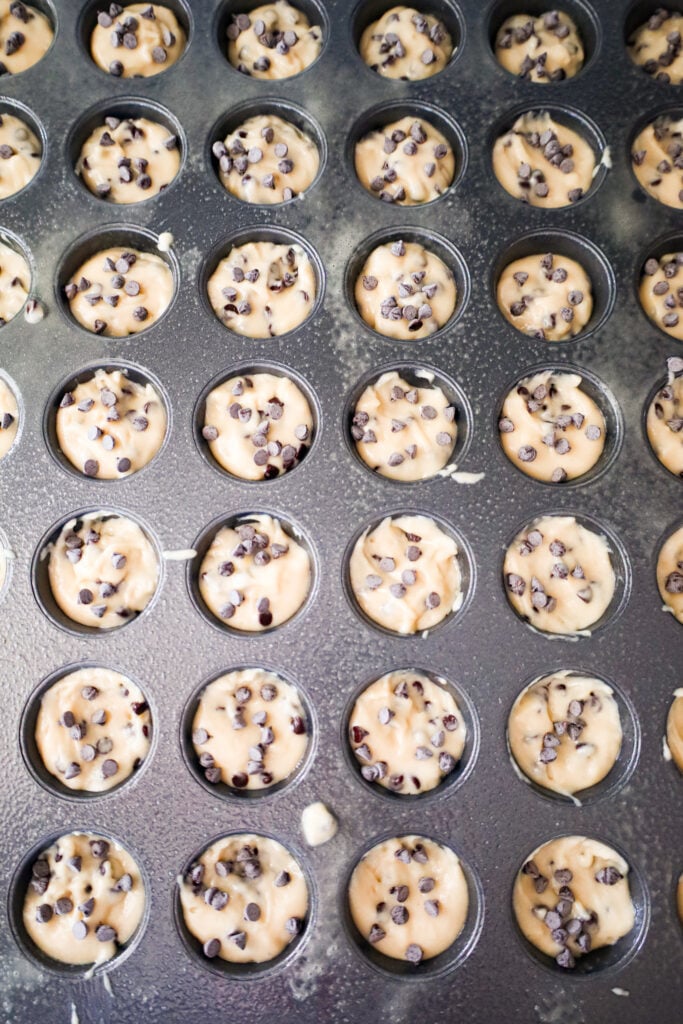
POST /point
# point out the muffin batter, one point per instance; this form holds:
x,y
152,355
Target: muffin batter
x,y
404,291
245,899
126,161
670,574
405,574
661,292
543,163
665,420
406,732
318,824
550,428
103,570
571,896
674,729
559,575
25,36
110,426
255,575
249,730
565,732
85,900
404,432
656,46
263,289
93,729
15,282
548,297
273,41
408,898
408,162
118,292
9,418
267,160
657,159
543,49
136,41
258,426
20,155
404,43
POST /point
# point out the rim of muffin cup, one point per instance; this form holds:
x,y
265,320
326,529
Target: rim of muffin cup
x,y
663,245
670,111
40,582
243,516
247,368
666,534
465,561
136,373
635,16
261,233
449,959
87,20
619,559
624,766
18,109
314,10
123,107
603,397
29,747
652,394
378,116
464,417
248,972
606,960
449,783
582,14
17,892
447,11
234,116
434,243
570,245
18,245
565,116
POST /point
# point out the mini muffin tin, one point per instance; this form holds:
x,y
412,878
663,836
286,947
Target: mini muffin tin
x,y
492,820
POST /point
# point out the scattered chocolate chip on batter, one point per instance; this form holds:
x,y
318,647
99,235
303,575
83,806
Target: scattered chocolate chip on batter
x,y
15,282
545,48
20,155
407,162
267,160
670,574
136,40
655,46
661,291
548,297
405,43
126,160
9,417
25,36
665,419
657,160
273,41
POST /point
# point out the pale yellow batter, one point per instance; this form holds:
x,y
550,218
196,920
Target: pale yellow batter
x,y
405,43
404,432
548,297
665,424
93,729
564,732
670,573
559,575
103,570
546,48
674,729
405,574
15,282
661,292
655,46
258,426
20,155
407,732
9,417
407,162
273,41
245,898
550,428
249,730
126,161
255,575
85,900
25,36
404,291
263,289
408,898
657,160
571,896
110,426
136,41
267,160
118,292
542,162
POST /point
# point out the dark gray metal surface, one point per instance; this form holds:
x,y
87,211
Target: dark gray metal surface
x,y
493,819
